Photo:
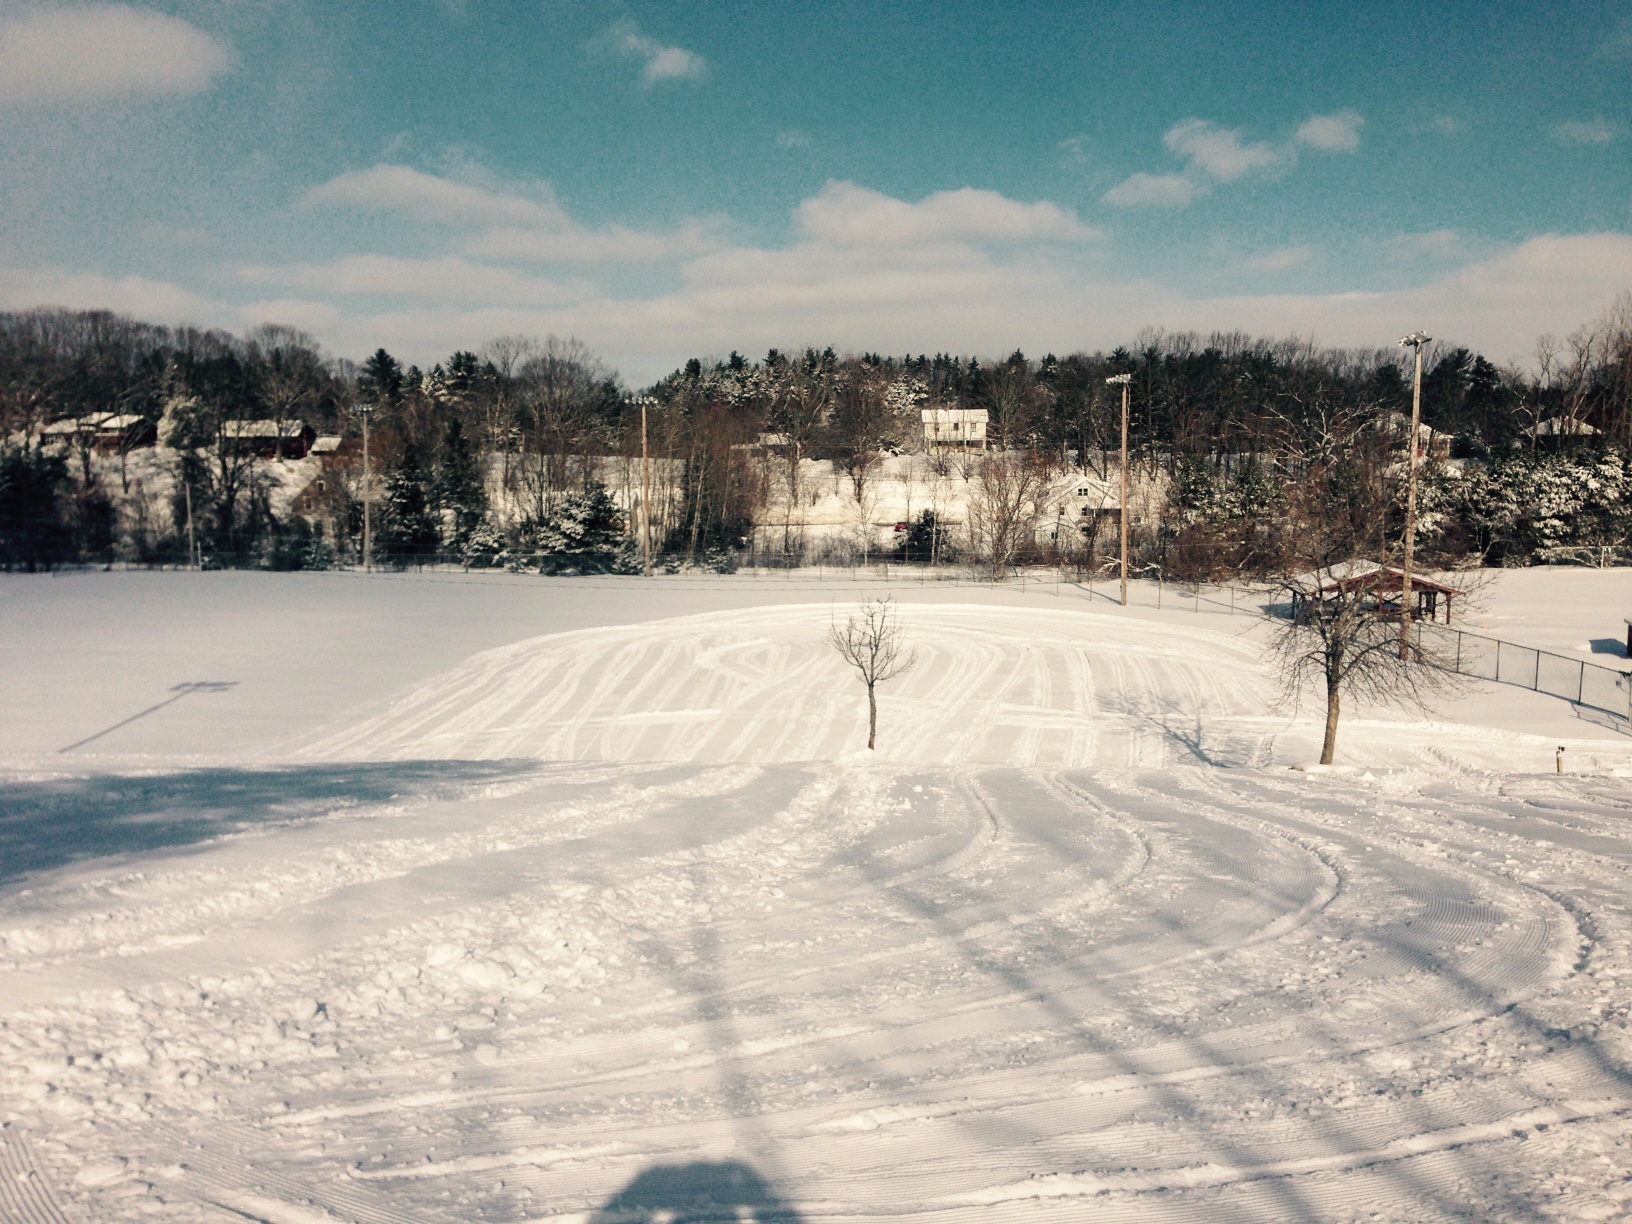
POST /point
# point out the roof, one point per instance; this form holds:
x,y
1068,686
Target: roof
x,y
74,425
1561,427
946,416
262,429
127,420
328,444
1366,575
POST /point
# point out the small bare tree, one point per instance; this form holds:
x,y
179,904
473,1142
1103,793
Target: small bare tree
x,y
1338,638
1009,494
872,643
1344,630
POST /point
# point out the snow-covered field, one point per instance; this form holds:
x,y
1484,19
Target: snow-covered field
x,y
451,898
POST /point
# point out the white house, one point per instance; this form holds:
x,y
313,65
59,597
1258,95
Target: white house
x,y
954,426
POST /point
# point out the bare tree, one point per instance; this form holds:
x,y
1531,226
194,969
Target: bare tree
x,y
872,643
801,396
1342,637
1009,494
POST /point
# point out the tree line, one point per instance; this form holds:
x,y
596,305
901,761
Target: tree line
x,y
531,448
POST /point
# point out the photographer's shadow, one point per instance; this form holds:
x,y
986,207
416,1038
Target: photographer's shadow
x,y
702,1192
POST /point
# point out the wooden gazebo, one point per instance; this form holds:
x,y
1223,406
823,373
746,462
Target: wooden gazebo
x,y
1381,589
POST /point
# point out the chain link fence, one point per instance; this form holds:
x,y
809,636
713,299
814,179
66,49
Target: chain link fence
x,y
1575,680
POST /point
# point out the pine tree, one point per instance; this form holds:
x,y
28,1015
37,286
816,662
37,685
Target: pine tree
x,y
34,533
410,528
584,536
381,377
459,492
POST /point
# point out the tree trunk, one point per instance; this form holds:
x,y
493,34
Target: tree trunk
x,y
1329,748
872,718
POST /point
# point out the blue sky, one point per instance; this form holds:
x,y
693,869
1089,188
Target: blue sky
x,y
661,181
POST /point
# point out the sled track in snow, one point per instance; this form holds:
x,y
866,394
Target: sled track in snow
x,y
1118,984
1072,950
25,1195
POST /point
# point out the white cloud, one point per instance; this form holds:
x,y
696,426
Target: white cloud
x,y
794,139
429,198
614,244
106,51
449,279
660,63
1220,155
1431,244
1449,125
1282,260
1618,46
961,271
1154,190
1586,132
1218,151
138,295
510,225
1339,133
970,301
847,215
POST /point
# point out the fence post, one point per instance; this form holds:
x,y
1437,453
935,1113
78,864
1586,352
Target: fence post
x,y
1459,652
1498,659
1581,684
1537,685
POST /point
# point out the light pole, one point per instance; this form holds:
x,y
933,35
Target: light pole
x,y
1416,340
364,411
1124,380
645,401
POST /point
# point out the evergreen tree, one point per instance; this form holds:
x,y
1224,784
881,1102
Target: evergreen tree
x,y
410,529
925,539
584,536
459,492
381,377
34,533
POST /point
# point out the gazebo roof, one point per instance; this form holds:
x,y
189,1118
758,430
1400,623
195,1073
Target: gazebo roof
x,y
1366,575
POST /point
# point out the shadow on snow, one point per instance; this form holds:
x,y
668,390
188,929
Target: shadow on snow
x,y
52,823
701,1192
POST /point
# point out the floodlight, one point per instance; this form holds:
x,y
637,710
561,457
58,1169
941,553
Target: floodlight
x,y
1120,378
1415,340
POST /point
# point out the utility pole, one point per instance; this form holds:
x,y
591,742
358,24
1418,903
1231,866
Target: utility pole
x,y
645,491
1416,340
1124,380
364,410
193,549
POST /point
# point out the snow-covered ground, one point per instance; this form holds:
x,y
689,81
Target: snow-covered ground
x,y
452,898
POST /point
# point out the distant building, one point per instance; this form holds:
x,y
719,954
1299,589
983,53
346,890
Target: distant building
x,y
125,432
1559,428
269,439
1431,443
1085,508
954,426
70,431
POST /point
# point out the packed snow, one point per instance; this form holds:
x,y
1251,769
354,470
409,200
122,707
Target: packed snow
x,y
452,897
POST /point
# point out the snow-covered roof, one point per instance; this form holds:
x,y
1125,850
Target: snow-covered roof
x,y
1363,574
1561,427
262,429
69,426
328,444
127,420
946,416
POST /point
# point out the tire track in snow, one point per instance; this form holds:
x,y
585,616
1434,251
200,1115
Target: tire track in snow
x,y
25,1194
